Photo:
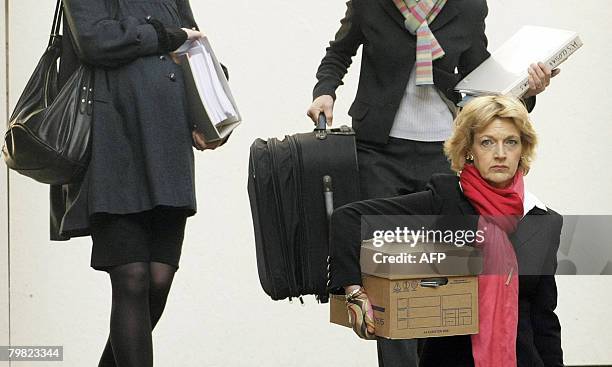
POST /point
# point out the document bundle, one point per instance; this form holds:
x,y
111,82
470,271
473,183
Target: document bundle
x,y
505,72
212,108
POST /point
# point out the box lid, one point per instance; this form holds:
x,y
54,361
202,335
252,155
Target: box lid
x,y
396,260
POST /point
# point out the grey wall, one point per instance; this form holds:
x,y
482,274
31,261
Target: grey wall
x,y
217,314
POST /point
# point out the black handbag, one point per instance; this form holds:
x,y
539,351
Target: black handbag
x,y
48,138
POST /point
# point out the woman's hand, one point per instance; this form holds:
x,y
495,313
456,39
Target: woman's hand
x,y
192,34
199,142
322,104
539,78
360,312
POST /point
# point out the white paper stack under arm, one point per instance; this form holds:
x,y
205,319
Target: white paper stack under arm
x,y
505,72
211,105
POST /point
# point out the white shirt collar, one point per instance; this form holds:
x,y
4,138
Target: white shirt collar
x,y
530,201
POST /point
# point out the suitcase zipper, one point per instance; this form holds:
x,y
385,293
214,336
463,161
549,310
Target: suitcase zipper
x,y
305,259
284,248
257,195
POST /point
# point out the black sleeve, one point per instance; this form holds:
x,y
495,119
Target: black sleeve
x,y
347,231
477,53
339,54
544,321
103,41
168,38
529,103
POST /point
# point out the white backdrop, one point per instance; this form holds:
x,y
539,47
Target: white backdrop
x,y
217,314
4,270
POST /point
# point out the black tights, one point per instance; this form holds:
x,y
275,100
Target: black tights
x,y
140,291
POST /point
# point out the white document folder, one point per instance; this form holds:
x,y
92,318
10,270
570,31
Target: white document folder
x,y
505,72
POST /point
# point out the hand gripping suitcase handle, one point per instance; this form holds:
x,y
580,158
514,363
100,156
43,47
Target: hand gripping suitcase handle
x,y
321,129
322,124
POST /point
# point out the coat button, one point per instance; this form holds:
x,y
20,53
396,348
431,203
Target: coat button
x,y
162,57
172,77
148,18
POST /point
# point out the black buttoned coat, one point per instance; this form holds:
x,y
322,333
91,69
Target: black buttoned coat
x,y
142,155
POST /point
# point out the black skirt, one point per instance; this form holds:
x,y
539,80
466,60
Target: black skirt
x,y
150,236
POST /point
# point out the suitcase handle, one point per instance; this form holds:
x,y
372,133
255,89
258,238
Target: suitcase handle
x,y
328,194
322,124
321,128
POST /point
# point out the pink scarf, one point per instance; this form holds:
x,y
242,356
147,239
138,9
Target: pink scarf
x,y
500,210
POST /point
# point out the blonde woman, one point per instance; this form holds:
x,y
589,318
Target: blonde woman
x,y
491,149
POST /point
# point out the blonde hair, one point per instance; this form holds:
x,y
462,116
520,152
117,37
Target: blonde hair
x,y
477,115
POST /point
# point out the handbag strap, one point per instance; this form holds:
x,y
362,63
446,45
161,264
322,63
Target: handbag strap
x,y
57,22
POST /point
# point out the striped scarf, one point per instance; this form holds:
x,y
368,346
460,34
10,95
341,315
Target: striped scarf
x,y
418,14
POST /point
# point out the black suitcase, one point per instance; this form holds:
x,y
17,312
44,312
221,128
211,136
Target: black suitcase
x,y
293,186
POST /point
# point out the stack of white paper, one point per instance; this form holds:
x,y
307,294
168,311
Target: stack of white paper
x,y
209,85
211,105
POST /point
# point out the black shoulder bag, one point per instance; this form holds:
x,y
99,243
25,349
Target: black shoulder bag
x,y
48,137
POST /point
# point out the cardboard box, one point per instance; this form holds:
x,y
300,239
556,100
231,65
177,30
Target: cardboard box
x,y
421,299
405,309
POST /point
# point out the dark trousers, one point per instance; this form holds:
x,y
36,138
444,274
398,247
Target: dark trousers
x,y
398,168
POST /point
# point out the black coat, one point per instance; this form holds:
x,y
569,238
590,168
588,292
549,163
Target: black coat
x,y
535,242
389,53
138,111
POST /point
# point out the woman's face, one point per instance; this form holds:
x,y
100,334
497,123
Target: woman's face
x,y
497,152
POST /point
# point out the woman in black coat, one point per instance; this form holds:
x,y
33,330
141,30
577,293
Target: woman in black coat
x,y
139,188
493,144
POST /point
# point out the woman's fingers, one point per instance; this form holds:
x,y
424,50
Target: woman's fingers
x,y
322,104
361,317
537,82
532,86
193,34
196,141
200,142
544,74
213,145
329,113
313,113
370,318
539,78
